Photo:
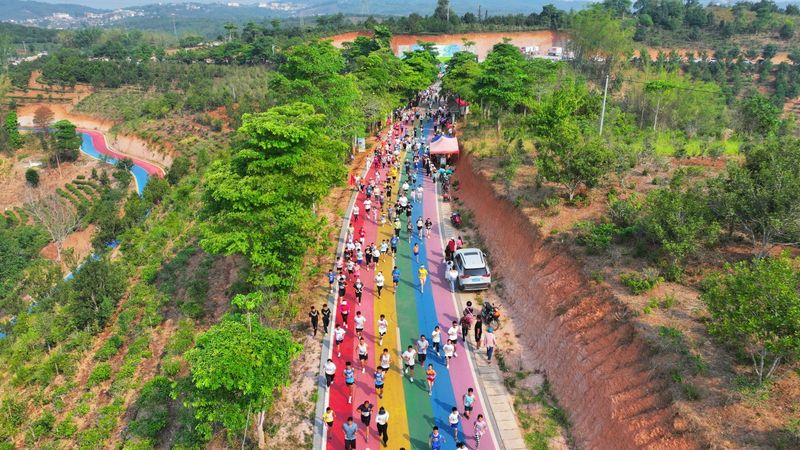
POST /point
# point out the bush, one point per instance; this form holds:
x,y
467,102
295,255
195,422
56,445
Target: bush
x,y
625,212
109,348
153,411
67,428
172,367
100,373
32,177
596,237
639,283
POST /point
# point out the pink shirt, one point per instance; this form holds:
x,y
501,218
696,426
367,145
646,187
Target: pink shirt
x,y
489,340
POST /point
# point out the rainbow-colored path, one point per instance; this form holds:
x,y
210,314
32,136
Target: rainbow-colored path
x,y
410,313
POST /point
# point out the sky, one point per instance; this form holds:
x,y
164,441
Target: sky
x,y
111,4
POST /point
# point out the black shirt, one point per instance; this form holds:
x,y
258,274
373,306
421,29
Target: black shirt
x,y
365,410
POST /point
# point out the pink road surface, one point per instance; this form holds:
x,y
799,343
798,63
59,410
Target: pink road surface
x,y
365,382
461,371
99,141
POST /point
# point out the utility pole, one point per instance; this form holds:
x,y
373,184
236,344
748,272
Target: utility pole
x,y
603,113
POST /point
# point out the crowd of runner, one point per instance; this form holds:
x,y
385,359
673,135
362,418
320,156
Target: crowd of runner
x,y
387,196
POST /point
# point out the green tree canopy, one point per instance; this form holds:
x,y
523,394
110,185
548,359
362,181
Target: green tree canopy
x,y
235,369
259,203
756,306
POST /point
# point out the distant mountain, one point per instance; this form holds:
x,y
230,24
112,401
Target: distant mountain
x,y
22,10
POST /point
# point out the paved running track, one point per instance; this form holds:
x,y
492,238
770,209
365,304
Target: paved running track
x,y
410,313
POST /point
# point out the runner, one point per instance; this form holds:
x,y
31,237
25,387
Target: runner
x,y
355,213
469,400
409,359
362,353
359,288
436,339
349,379
344,310
397,226
338,334
359,320
330,372
328,416
395,277
350,430
422,349
386,360
383,327
423,275
428,227
343,279
420,228
416,252
480,428
313,316
326,318
436,440
367,207
382,421
380,376
366,414
452,336
379,283
431,376
452,419
449,351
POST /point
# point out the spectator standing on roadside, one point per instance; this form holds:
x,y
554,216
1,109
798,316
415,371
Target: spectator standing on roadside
x,y
489,341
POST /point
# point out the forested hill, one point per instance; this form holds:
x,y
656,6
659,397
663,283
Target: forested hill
x,y
22,10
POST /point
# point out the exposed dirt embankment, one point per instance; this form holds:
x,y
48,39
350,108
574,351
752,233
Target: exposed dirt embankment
x,y
579,333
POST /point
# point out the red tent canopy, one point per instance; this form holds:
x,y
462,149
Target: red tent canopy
x,y
444,145
461,102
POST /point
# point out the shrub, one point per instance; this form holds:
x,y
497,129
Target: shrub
x,y
625,212
100,373
153,411
172,367
109,348
32,177
67,428
639,283
596,237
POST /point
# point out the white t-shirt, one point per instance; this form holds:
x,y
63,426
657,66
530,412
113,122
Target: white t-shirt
x,y
382,418
360,321
355,210
409,357
436,336
379,280
339,332
452,333
383,326
448,349
367,204
386,360
422,346
453,418
403,200
405,186
362,348
330,368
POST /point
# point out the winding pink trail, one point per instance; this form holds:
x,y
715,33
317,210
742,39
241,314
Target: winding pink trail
x,y
99,142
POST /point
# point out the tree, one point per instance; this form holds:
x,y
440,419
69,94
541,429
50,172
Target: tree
x,y
12,130
32,177
598,37
786,31
42,118
755,305
67,141
769,51
55,216
763,192
503,81
94,292
235,370
679,222
572,159
757,115
261,202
